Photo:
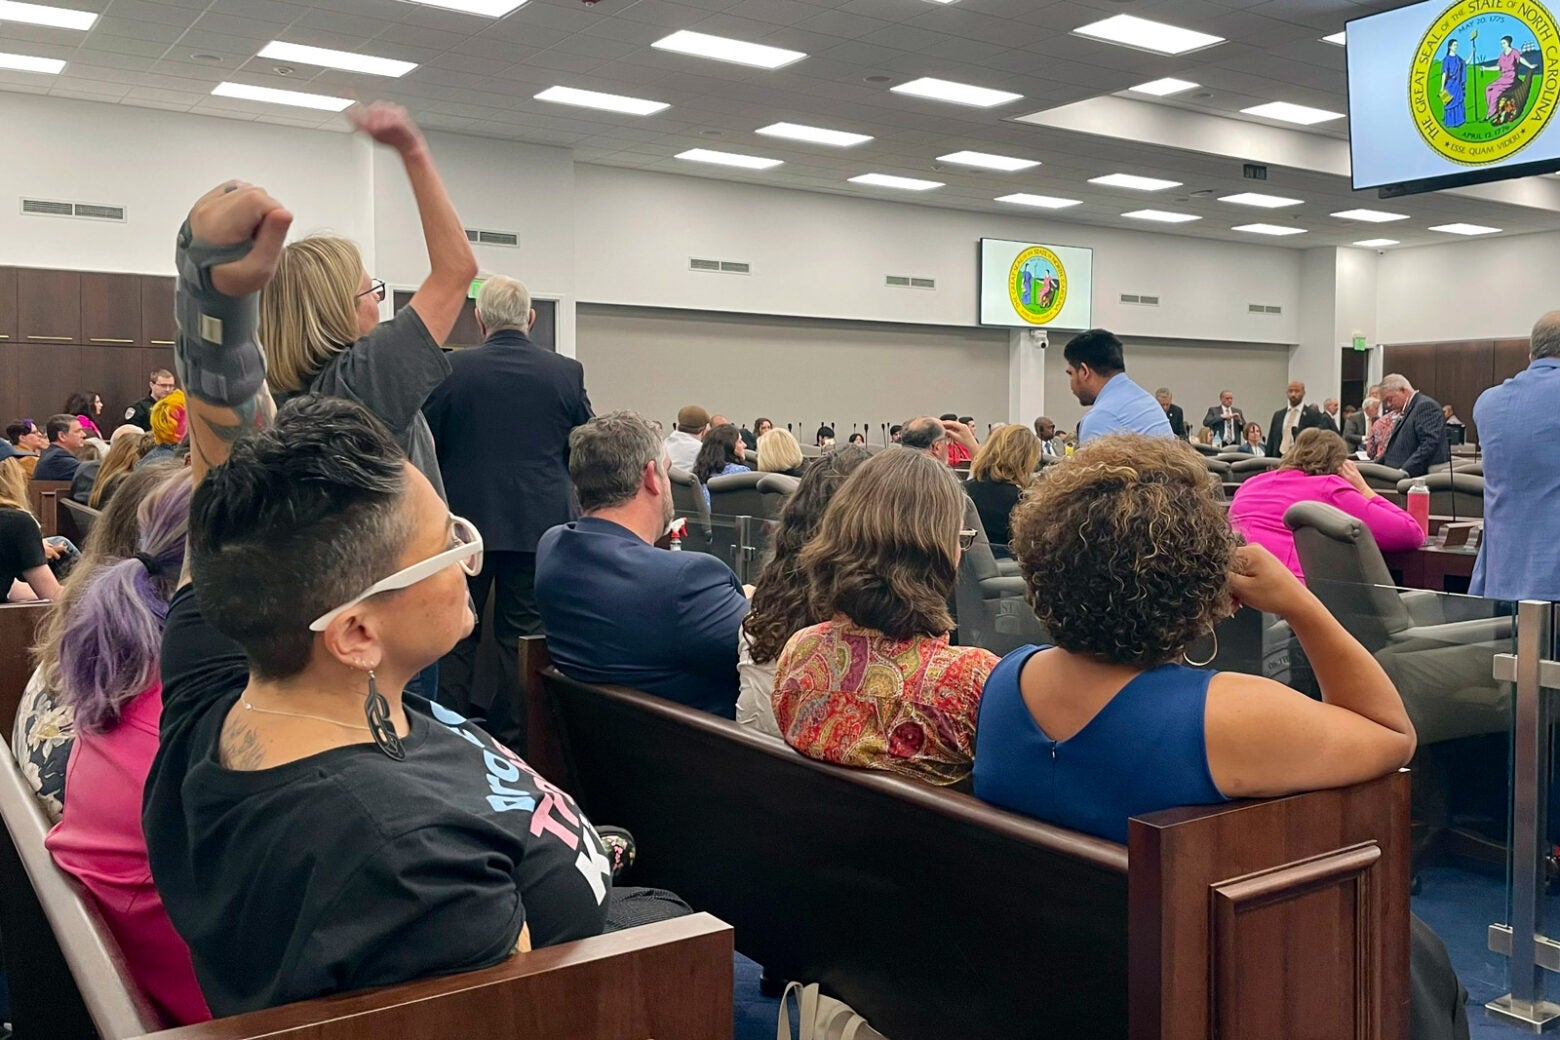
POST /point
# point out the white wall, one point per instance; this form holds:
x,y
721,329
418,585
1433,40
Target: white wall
x,y
1479,288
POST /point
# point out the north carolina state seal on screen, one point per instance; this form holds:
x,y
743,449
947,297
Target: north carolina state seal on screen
x,y
1037,285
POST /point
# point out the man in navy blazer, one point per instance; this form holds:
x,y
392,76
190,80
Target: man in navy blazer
x,y
619,610
1418,440
501,425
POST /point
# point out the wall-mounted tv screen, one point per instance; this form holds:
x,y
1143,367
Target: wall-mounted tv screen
x,y
1442,95
1024,285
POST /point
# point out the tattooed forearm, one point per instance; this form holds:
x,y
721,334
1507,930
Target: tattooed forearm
x,y
215,428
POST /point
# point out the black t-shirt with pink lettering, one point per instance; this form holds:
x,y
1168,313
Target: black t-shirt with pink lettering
x,y
348,869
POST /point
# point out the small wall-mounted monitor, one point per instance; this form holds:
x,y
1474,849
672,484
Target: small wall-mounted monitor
x,y
1024,285
1442,94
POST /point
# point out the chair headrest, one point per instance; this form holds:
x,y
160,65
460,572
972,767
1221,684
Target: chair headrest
x,y
734,481
1471,483
682,476
1329,520
777,483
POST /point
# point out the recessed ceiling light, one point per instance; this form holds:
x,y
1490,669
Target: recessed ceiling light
x,y
1371,216
944,2
295,98
719,48
1255,198
814,134
1163,216
1038,201
1284,112
958,93
1163,87
28,63
1269,229
38,14
1466,229
884,180
1337,39
490,8
747,162
1133,181
327,58
606,102
1377,243
987,161
1128,30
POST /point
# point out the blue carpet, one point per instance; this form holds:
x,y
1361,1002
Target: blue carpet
x,y
756,1014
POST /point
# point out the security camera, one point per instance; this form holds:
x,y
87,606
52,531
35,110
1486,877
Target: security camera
x,y
1039,338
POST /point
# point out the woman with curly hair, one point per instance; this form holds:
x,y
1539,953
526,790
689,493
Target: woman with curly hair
x,y
782,605
877,685
1129,559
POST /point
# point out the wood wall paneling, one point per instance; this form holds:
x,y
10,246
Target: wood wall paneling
x,y
111,309
47,374
1510,357
1462,372
48,306
158,326
114,373
7,305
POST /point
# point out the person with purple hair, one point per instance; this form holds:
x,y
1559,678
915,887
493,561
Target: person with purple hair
x,y
96,698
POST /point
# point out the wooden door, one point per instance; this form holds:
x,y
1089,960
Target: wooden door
x,y
48,307
158,326
7,305
46,374
111,309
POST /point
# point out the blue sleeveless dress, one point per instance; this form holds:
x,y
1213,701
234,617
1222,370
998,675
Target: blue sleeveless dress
x,y
1144,751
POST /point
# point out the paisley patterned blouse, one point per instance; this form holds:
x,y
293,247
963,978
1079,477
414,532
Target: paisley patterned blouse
x,y
853,696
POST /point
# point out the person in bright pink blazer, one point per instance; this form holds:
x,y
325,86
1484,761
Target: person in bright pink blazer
x,y
1317,469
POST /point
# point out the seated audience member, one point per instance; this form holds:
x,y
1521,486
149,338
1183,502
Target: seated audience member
x,y
1253,445
1357,422
126,447
27,443
683,443
782,601
169,426
1050,443
1317,469
824,438
616,608
66,437
778,452
894,432
1097,375
958,454
926,434
877,685
1003,468
24,556
87,406
99,654
751,437
1450,416
720,456
312,830
1418,439
159,386
858,438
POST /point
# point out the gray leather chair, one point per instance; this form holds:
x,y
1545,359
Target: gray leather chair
x,y
1442,668
989,597
1232,457
1458,493
688,499
736,495
1382,478
775,489
1219,468
1250,466
1206,449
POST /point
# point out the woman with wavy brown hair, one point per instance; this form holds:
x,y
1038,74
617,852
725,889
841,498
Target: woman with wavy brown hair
x,y
877,685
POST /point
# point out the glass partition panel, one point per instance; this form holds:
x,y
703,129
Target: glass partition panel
x,y
740,542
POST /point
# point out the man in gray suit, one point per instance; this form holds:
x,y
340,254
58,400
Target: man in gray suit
x,y
1357,425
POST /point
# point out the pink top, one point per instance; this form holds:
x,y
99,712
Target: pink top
x,y
99,841
1258,512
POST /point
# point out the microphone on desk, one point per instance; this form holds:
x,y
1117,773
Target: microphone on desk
x,y
1451,474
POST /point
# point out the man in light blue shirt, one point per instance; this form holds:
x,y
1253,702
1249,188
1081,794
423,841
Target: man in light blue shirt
x,y
1519,427
1097,376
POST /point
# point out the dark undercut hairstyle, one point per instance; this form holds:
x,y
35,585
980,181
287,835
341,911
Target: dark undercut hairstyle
x,y
302,517
1098,349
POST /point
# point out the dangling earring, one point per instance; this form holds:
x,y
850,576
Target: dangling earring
x,y
377,709
1184,658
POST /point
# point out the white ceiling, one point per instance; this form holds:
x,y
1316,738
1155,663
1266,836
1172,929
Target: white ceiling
x,y
478,76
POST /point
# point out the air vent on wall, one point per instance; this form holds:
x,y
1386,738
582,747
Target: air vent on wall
x,y
699,263
1264,308
493,238
905,281
1140,299
83,210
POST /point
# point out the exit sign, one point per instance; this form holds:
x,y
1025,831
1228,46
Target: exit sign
x,y
476,286
1359,341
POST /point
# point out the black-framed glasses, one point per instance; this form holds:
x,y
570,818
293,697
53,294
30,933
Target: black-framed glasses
x,y
967,537
376,287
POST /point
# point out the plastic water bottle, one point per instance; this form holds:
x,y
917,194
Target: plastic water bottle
x,y
1419,504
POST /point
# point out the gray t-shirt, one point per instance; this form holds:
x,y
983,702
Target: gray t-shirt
x,y
391,372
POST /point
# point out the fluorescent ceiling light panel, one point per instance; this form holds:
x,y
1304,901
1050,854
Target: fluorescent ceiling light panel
x,y
1269,229
295,98
1284,112
1256,198
1133,181
1466,229
987,161
884,180
746,162
957,93
1023,198
1377,243
39,14
347,61
1337,39
1128,30
1163,87
1370,216
606,102
1163,216
489,8
28,63
814,135
719,48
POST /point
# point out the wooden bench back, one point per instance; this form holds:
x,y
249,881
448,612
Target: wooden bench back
x,y
44,509
74,520
18,631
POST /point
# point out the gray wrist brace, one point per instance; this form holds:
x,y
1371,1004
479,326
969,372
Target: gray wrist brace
x,y
218,351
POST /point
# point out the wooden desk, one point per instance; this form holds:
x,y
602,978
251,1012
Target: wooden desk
x,y
1434,568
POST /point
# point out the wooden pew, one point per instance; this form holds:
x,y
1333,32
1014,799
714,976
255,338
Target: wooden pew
x,y
74,520
43,509
18,631
937,916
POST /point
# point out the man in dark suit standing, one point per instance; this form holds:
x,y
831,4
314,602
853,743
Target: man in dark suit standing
x,y
1227,422
1286,421
501,425
1172,412
1419,439
1357,425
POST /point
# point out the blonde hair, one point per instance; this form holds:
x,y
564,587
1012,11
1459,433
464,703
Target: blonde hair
x,y
1009,455
504,303
122,456
778,451
13,486
308,311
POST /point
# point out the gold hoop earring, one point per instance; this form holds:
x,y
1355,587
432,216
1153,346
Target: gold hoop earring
x,y
1203,664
